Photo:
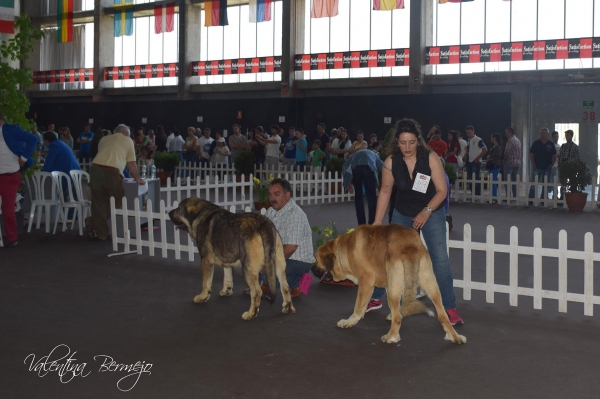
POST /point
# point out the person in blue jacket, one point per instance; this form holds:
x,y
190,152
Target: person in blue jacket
x,y
16,149
360,170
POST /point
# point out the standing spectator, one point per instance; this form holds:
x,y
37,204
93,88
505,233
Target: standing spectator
x,y
376,147
333,135
256,147
237,143
512,158
40,145
554,171
419,210
272,145
359,144
342,144
317,156
16,149
198,133
301,150
494,161
161,138
569,150
360,171
106,180
151,140
463,148
453,151
289,156
325,141
66,137
213,146
372,141
141,141
476,149
437,144
432,132
170,137
203,146
221,154
85,142
176,145
51,129
542,155
189,148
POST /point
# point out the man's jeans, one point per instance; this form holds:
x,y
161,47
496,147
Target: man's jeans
x,y
434,232
473,167
539,174
512,172
553,179
294,270
362,175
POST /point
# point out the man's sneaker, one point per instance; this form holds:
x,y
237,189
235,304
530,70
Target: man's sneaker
x,y
455,319
374,304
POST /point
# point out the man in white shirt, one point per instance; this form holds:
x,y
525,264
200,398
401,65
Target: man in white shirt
x,y
202,148
16,148
272,145
293,227
476,150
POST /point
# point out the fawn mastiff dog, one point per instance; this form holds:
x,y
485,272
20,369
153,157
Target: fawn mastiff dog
x,y
389,256
225,239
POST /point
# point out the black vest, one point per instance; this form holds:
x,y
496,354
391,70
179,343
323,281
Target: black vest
x,y
408,201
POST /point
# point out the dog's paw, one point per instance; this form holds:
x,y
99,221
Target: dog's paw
x,y
346,323
461,339
249,316
288,308
390,339
226,292
201,298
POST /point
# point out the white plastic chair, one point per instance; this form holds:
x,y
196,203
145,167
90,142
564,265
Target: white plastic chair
x,y
40,201
78,176
80,207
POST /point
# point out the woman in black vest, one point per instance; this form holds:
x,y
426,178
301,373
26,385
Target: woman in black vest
x,y
417,175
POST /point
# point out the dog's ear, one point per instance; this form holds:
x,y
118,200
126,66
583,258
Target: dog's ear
x,y
328,261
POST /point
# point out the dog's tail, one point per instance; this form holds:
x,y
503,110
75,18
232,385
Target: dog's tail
x,y
270,247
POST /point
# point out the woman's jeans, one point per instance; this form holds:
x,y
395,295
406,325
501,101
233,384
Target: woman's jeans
x,y
434,233
494,173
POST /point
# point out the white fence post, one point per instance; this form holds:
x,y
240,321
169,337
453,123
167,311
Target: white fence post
x,y
537,268
467,262
588,290
489,265
562,271
514,266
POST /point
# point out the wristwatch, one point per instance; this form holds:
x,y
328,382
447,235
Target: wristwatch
x,y
428,209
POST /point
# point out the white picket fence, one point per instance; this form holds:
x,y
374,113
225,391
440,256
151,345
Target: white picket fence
x,y
308,188
562,253
192,170
464,190
181,247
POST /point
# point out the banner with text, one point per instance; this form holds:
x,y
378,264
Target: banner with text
x,y
352,59
518,51
236,67
63,76
141,71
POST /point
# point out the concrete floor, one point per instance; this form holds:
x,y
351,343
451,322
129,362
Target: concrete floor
x,y
63,289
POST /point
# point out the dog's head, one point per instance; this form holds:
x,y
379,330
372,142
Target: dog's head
x,y
326,260
186,213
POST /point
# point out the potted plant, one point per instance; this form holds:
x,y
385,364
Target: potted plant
x,y
165,162
575,176
261,193
244,165
334,165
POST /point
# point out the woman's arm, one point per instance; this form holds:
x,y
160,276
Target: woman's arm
x,y
387,185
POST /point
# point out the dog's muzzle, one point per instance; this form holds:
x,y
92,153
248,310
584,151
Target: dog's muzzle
x,y
317,271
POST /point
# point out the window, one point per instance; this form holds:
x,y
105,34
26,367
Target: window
x,y
561,128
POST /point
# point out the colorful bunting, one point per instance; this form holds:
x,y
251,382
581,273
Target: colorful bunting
x,y
324,8
7,16
164,18
388,5
215,12
64,20
260,10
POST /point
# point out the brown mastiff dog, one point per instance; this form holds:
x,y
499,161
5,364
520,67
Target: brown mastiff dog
x,y
389,256
226,239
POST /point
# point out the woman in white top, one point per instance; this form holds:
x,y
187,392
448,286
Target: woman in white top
x,y
66,137
359,144
342,144
221,152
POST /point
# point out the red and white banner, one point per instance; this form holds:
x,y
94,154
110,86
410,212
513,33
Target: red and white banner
x,y
561,49
164,18
352,59
63,76
236,67
141,71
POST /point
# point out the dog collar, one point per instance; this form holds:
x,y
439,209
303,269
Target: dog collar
x,y
337,252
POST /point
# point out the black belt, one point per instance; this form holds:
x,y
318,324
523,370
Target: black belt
x,y
11,173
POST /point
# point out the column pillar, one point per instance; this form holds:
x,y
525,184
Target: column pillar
x,y
104,46
421,35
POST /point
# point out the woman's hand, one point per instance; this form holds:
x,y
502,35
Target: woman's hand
x,y
420,220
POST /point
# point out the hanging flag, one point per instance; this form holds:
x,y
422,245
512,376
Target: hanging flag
x,y
64,20
215,13
7,16
386,5
123,18
164,18
260,10
324,8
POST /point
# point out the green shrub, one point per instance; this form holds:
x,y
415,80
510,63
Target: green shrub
x,y
574,175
